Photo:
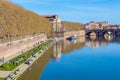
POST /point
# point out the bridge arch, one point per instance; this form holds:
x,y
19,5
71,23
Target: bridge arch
x,y
107,32
92,33
108,35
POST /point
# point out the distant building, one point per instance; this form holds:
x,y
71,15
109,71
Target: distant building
x,y
103,24
118,26
56,22
97,25
92,25
114,26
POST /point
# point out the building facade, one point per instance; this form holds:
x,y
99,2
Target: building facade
x,y
56,22
97,25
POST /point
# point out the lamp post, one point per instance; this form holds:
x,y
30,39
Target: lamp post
x,y
9,41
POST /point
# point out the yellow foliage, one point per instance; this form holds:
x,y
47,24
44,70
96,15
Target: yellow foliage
x,y
71,26
16,21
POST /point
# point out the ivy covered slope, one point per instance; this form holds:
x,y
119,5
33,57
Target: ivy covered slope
x,y
18,22
71,26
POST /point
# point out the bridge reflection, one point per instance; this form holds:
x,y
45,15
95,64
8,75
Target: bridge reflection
x,y
101,41
96,43
66,46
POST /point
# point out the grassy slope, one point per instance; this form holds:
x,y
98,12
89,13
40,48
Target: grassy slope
x,y
70,26
16,21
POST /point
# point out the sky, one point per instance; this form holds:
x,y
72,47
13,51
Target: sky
x,y
76,10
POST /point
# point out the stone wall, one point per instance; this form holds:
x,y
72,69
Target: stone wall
x,y
70,33
10,51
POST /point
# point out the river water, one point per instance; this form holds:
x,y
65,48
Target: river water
x,y
81,59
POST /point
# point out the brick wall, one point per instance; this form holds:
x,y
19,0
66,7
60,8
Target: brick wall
x,y
16,47
70,33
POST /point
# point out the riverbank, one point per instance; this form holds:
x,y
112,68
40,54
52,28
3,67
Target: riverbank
x,y
20,69
18,47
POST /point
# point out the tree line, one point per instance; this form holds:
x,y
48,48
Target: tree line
x,y
16,21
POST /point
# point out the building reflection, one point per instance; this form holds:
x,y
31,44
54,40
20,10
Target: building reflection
x,y
65,46
101,41
59,48
95,44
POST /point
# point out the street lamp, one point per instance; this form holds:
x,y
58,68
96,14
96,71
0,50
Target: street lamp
x,y
9,41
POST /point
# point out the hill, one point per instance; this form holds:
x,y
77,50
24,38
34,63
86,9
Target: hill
x,y
71,26
16,21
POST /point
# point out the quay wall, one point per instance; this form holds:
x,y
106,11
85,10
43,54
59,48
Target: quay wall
x,y
77,33
15,48
16,73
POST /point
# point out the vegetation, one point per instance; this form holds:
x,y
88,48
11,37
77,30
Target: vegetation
x,y
2,79
15,62
16,21
70,26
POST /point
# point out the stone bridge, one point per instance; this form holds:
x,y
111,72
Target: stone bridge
x,y
102,32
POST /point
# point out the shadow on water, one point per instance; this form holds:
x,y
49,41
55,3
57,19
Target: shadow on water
x,y
34,72
63,47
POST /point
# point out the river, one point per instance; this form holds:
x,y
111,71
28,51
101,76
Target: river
x,y
81,59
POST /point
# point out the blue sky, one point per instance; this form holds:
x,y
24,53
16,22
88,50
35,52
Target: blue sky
x,y
76,10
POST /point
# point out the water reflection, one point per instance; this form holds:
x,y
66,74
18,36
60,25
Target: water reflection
x,y
66,46
102,63
101,41
96,42
58,49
